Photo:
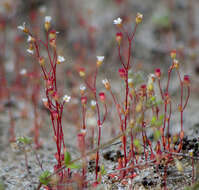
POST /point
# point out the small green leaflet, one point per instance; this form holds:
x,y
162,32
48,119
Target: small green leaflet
x,y
24,140
43,178
67,161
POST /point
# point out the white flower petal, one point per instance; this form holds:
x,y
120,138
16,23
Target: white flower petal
x,y
44,99
29,39
100,58
66,98
82,87
83,131
117,21
23,71
104,81
30,51
22,27
93,103
48,19
61,59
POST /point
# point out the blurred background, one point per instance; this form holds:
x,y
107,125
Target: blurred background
x,y
86,30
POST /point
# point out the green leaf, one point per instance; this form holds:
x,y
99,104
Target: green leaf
x,y
151,102
159,102
161,117
153,120
24,140
159,123
136,142
44,177
67,158
67,161
157,134
103,171
153,99
74,166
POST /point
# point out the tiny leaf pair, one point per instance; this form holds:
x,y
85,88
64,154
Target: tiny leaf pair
x,y
67,161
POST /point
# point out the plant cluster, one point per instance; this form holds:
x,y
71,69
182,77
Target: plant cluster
x,y
145,106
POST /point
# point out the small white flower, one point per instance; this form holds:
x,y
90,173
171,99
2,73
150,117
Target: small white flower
x,y
23,71
82,87
106,84
60,59
29,39
83,131
150,83
22,27
66,98
152,75
191,151
48,19
117,21
100,58
130,80
30,51
93,103
151,78
44,99
105,81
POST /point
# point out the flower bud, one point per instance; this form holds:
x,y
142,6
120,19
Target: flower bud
x,y
47,23
158,72
143,87
122,72
52,34
84,100
106,84
100,60
119,37
45,102
55,96
130,82
82,72
180,108
186,80
41,61
53,42
167,97
138,18
173,54
102,96
176,63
